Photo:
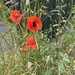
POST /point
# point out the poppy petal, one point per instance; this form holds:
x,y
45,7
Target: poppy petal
x,y
31,41
13,19
34,47
27,47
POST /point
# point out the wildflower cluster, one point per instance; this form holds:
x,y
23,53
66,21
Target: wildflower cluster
x,y
33,24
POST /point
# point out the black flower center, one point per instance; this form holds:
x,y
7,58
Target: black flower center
x,y
34,24
16,15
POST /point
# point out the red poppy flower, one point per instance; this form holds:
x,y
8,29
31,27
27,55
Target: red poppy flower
x,y
16,16
30,43
34,23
